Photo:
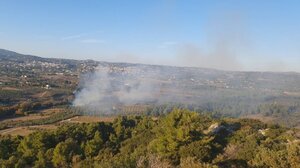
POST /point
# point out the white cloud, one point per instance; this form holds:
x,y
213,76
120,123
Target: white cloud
x,y
71,37
81,36
167,44
44,37
90,41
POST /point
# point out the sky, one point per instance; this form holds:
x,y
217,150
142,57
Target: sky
x,y
256,35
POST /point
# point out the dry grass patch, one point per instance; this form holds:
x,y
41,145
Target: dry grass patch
x,y
261,118
23,131
89,119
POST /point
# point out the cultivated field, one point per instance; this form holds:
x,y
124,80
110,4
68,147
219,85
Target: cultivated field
x,y
23,131
88,119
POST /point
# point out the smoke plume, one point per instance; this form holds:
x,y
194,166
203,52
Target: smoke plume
x,y
225,41
112,86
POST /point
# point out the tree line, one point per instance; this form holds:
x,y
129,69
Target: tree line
x,y
180,138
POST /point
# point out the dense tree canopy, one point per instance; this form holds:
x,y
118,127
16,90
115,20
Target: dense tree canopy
x,y
178,139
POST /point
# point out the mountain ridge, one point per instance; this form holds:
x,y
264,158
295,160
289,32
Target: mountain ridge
x,y
8,54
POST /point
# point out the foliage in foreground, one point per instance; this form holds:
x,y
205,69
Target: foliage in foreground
x,y
179,139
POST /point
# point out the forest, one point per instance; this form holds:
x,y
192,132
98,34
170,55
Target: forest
x,y
181,138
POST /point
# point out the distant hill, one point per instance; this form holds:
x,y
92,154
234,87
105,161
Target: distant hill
x,y
6,55
9,57
228,93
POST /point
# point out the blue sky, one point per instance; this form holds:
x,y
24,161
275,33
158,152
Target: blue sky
x,y
251,35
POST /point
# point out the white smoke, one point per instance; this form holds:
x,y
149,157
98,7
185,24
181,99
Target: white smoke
x,y
111,86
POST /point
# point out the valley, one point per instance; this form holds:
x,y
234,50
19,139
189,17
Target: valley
x,y
31,85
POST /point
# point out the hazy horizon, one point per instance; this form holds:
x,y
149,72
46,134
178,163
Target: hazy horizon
x,y
231,35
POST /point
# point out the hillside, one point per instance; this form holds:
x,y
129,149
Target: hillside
x,y
221,93
179,139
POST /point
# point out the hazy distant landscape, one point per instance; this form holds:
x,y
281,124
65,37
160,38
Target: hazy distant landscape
x,y
103,88
149,84
122,102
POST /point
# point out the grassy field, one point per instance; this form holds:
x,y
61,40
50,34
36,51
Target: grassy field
x,y
35,116
23,131
14,129
89,119
26,130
